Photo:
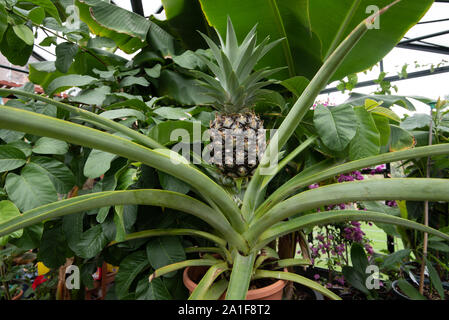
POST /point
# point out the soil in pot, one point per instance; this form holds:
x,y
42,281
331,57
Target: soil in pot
x,y
261,289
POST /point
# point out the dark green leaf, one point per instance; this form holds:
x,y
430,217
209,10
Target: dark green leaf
x,y
383,126
98,163
396,258
94,96
65,82
10,135
65,55
183,90
37,15
91,242
163,251
11,44
154,290
31,189
61,176
24,33
400,139
367,139
22,146
435,279
358,99
356,279
123,113
131,80
48,41
165,133
359,258
129,269
154,72
49,7
336,126
3,21
72,225
9,211
409,290
11,158
171,183
47,145
416,121
53,249
296,84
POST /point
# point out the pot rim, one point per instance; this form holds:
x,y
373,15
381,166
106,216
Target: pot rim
x,y
253,294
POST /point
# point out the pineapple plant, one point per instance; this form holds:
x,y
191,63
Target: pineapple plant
x,y
237,134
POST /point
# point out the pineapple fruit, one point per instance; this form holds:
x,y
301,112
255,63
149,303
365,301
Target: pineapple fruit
x,y
237,134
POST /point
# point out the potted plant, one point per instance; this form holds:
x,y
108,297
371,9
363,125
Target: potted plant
x,y
243,226
16,272
14,293
408,290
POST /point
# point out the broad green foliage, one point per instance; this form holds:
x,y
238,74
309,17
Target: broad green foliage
x,y
30,189
336,126
9,211
367,139
11,158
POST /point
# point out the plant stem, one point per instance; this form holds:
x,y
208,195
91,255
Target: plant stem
x,y
426,215
5,283
61,37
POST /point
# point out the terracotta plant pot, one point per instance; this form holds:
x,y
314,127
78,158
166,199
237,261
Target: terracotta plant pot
x,y
271,292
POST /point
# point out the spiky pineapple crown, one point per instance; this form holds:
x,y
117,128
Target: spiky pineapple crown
x,y
235,87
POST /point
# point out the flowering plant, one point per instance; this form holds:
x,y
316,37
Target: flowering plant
x,y
331,243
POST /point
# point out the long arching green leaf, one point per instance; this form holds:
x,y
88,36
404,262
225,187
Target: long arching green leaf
x,y
164,160
265,254
200,292
240,276
287,159
162,198
302,105
298,279
88,116
173,232
285,263
302,180
389,189
337,216
260,194
181,265
216,290
203,249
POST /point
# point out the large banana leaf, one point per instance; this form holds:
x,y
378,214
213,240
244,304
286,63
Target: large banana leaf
x,y
313,28
327,19
185,19
288,19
